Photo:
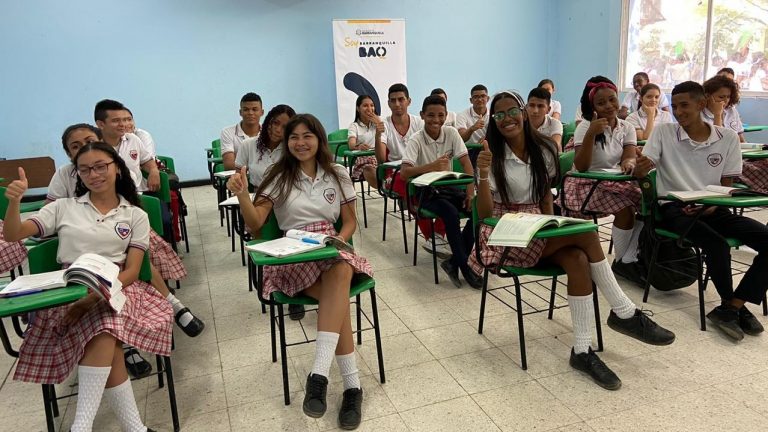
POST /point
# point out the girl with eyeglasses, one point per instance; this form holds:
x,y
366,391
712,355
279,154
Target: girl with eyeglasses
x,y
516,168
104,218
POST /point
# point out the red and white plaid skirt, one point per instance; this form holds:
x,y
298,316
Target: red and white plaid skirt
x,y
609,198
51,351
164,258
754,173
362,162
12,254
291,279
516,257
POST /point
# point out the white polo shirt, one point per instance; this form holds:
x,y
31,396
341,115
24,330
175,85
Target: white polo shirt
x,y
608,156
731,119
551,126
63,183
639,119
578,116
256,161
395,142
519,177
84,229
135,154
555,107
312,200
422,149
232,138
450,119
467,118
685,165
146,138
632,99
365,134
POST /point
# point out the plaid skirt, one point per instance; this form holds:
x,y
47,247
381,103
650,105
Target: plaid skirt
x,y
291,279
165,259
51,351
754,173
362,162
609,197
516,257
12,254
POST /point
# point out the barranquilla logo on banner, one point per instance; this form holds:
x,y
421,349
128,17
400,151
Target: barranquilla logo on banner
x,y
369,56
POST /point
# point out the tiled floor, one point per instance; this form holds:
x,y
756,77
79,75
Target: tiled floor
x,y
441,374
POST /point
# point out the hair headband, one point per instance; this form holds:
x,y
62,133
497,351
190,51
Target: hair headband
x,y
515,95
594,87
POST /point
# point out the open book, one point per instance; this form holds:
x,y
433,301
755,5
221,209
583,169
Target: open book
x,y
712,191
296,242
517,229
427,179
753,146
95,272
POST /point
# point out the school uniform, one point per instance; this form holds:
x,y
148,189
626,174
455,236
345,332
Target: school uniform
x,y
62,183
608,197
135,154
551,126
313,205
257,161
639,119
555,107
683,164
395,142
731,119
365,134
467,118
632,100
232,138
146,138
12,254
51,351
450,119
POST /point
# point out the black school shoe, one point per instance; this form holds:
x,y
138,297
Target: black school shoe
x,y
642,328
727,320
452,271
474,280
139,367
296,311
590,363
632,272
194,327
351,411
314,398
748,323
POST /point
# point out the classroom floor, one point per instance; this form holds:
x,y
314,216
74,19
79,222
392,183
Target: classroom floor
x,y
440,373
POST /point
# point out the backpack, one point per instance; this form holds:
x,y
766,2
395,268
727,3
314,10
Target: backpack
x,y
676,267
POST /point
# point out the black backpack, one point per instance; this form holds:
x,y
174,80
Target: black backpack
x,y
676,267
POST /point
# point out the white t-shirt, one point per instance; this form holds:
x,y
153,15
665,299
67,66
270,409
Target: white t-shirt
x,y
632,99
232,138
682,165
63,183
639,119
731,119
467,118
84,229
313,201
519,177
135,154
555,107
609,155
365,134
257,162
422,149
551,126
146,138
395,142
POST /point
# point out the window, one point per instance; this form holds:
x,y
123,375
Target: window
x,y
680,40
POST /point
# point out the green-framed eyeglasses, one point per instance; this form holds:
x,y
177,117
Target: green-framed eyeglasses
x,y
512,112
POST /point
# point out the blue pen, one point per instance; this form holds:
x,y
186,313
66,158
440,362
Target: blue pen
x,y
309,240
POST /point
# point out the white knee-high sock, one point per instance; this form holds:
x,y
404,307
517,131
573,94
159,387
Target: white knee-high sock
x,y
120,398
582,316
621,240
348,367
606,282
324,351
91,381
630,255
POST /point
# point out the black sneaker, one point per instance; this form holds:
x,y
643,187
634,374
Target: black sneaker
x,y
473,279
452,271
351,410
641,327
314,399
629,271
727,320
137,366
296,311
748,323
590,363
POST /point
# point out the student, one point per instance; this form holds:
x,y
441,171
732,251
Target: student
x,y
88,333
631,101
450,118
232,137
722,97
537,108
516,168
727,72
143,135
365,133
399,126
306,190
555,110
605,142
260,152
472,122
648,114
433,149
689,156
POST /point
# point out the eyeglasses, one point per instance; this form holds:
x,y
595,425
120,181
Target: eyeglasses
x,y
98,169
513,112
479,97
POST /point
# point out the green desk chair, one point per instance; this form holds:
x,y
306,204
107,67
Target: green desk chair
x,y
277,300
388,194
568,131
171,166
164,194
151,206
542,271
349,157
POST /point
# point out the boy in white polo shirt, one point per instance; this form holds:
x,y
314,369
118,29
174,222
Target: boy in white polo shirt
x,y
689,156
537,108
473,122
232,137
432,149
631,101
450,118
398,127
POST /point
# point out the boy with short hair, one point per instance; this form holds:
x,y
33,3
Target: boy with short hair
x,y
538,106
450,118
631,102
689,156
232,137
399,126
473,122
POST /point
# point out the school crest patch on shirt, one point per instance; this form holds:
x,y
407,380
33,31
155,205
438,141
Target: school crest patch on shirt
x,y
123,230
330,195
714,159
134,154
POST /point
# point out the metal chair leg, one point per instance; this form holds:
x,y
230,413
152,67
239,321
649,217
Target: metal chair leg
x,y
384,226
377,335
48,409
520,324
483,297
434,250
598,323
283,353
358,308
552,293
402,223
172,393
